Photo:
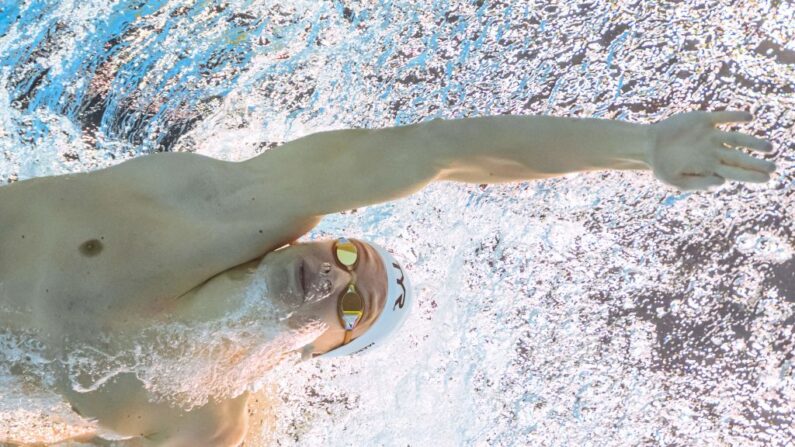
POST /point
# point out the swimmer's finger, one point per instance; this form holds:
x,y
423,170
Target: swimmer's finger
x,y
738,139
729,117
743,175
738,159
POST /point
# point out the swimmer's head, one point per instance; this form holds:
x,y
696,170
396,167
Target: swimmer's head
x,y
309,278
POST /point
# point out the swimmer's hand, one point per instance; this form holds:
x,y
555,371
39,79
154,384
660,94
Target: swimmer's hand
x,y
688,152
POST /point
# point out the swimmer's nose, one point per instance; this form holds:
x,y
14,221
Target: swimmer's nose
x,y
323,279
332,278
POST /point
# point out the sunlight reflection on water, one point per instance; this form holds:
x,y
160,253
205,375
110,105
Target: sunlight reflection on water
x,y
600,308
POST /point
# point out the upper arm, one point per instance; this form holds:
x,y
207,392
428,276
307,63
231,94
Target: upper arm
x,y
333,171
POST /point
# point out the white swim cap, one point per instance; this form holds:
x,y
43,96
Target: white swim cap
x,y
398,303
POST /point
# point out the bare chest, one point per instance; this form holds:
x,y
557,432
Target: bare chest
x,y
118,247
68,271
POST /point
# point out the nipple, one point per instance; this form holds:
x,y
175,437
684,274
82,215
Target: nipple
x,y
91,248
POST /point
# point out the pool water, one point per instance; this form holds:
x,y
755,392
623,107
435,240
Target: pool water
x,y
600,308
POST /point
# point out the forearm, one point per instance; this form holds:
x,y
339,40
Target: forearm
x,y
505,148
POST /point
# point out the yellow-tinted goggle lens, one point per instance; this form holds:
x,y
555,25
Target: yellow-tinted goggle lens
x,y
351,301
346,252
351,308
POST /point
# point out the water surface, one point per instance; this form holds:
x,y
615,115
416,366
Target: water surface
x,y
599,308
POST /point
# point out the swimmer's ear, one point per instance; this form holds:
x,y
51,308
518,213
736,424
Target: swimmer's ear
x,y
308,352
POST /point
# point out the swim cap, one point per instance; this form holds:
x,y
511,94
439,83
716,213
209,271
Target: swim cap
x,y
399,299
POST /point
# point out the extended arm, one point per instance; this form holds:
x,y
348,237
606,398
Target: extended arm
x,y
332,171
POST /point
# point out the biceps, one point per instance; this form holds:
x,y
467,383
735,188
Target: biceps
x,y
334,171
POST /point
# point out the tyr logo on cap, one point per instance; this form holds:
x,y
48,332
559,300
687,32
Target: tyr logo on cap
x,y
401,300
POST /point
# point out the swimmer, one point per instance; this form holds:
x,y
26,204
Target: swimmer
x,y
159,237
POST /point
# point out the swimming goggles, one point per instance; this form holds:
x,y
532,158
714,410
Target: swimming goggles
x,y
350,306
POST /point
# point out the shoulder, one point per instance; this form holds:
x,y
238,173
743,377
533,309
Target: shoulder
x,y
153,177
167,174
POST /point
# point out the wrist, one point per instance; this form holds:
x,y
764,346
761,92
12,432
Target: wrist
x,y
638,154
620,145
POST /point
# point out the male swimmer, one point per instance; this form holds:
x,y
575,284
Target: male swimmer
x,y
154,238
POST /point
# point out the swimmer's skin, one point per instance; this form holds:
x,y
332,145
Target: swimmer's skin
x,y
115,249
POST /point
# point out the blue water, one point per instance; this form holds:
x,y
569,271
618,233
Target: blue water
x,y
591,309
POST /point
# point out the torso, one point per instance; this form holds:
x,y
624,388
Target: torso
x,y
84,252
94,253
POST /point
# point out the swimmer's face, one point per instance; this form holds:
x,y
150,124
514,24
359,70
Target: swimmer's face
x,y
306,276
